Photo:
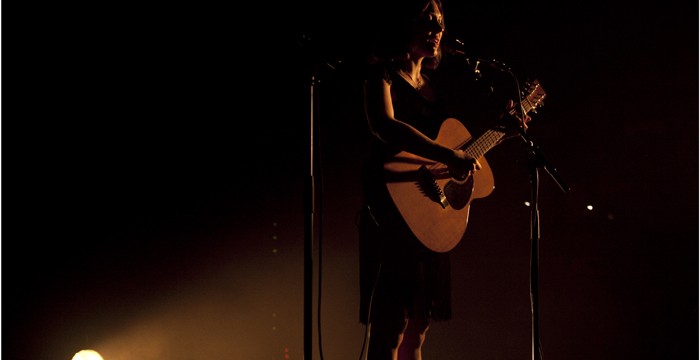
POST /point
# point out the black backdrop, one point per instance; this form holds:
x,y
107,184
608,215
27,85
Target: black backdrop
x,y
150,149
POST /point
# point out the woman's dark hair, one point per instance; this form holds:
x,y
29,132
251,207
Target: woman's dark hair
x,y
395,28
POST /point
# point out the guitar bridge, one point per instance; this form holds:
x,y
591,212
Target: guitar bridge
x,y
430,187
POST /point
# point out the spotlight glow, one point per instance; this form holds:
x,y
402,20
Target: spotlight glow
x,y
87,355
589,207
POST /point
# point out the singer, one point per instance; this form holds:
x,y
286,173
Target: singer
x,y
404,281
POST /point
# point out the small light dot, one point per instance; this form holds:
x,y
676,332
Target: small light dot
x,y
527,203
274,251
274,237
589,207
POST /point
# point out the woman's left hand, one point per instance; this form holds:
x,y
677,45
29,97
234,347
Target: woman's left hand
x,y
514,122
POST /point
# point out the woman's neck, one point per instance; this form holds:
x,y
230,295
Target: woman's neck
x,y
411,70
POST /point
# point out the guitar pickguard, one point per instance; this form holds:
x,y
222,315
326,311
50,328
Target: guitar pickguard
x,y
458,193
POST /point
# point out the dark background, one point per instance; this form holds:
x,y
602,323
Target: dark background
x,y
155,161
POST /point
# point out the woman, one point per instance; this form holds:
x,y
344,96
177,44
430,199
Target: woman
x,y
404,285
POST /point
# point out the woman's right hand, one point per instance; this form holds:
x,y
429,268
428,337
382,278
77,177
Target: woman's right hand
x,y
462,165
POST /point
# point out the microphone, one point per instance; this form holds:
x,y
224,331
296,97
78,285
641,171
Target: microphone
x,y
456,47
453,46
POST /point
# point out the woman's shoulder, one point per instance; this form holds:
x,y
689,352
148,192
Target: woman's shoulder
x,y
379,70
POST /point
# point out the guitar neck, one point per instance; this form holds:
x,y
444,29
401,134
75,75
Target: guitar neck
x,y
491,137
483,143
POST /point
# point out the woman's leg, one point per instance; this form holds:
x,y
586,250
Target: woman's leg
x,y
413,338
386,334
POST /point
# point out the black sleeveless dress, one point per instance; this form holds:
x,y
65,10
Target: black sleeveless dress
x,y
396,270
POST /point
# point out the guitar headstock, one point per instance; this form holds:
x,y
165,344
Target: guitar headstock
x,y
533,96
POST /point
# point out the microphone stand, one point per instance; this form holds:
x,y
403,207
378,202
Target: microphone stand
x,y
318,63
304,42
536,161
309,200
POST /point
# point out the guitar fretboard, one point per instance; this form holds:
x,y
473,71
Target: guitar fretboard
x,y
484,143
491,137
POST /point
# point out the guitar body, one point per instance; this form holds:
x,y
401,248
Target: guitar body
x,y
434,205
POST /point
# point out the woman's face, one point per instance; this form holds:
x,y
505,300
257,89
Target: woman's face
x,y
428,32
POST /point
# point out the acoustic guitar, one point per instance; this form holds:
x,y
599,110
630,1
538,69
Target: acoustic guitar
x,y
434,204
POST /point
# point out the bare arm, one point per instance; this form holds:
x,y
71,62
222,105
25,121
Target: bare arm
x,y
380,115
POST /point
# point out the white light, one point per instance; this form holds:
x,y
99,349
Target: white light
x,y
87,355
527,203
589,207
